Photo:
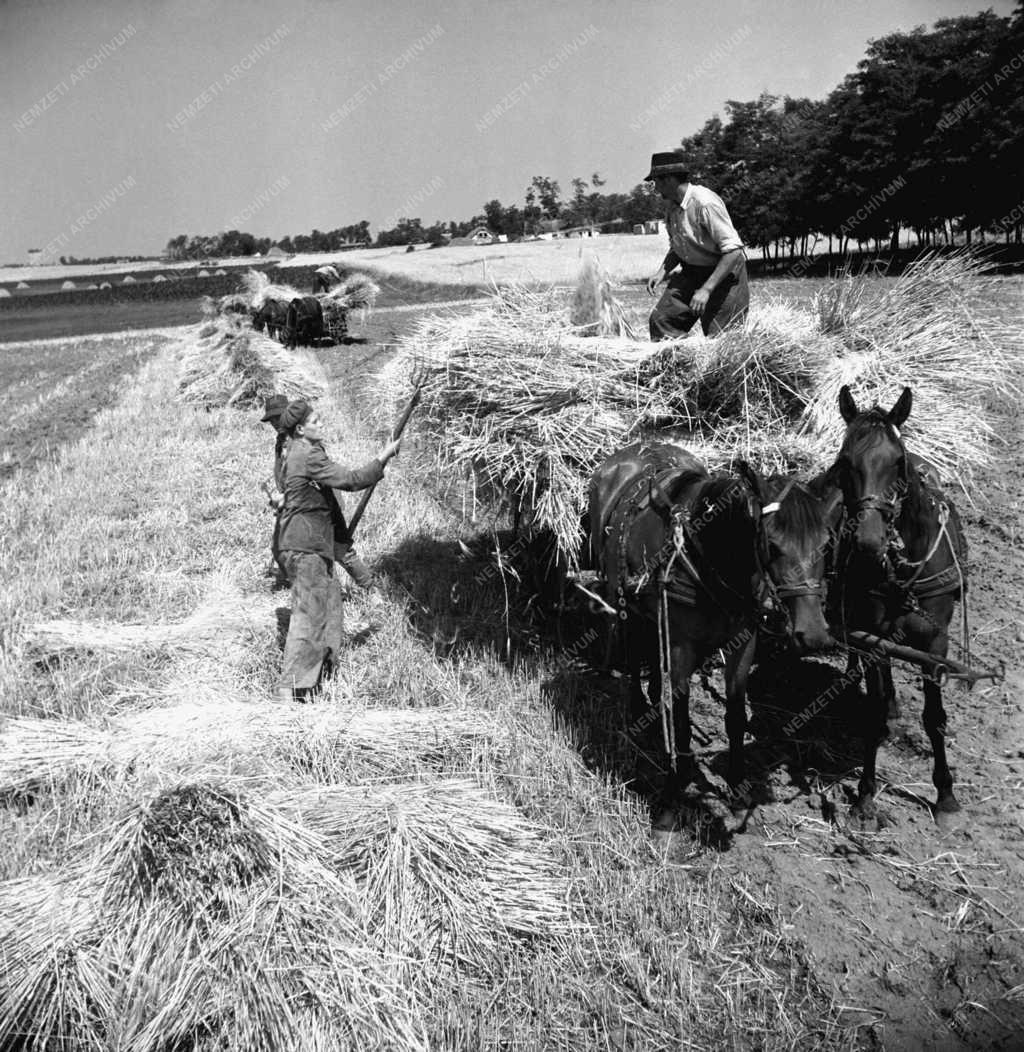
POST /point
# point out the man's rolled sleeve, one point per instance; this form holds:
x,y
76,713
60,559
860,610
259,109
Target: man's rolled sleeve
x,y
716,222
336,476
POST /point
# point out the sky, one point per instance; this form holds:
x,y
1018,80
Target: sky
x,y
124,123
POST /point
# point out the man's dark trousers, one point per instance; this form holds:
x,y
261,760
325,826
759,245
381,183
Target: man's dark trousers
x,y
672,316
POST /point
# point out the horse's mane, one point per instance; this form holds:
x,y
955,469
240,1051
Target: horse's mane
x,y
719,493
801,517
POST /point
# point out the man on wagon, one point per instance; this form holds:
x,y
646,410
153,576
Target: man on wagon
x,y
711,281
325,278
306,541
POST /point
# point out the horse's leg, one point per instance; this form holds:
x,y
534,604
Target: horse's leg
x,y
892,709
684,661
934,719
875,728
635,645
737,672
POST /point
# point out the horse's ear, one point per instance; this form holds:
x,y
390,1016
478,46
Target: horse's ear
x,y
847,406
754,479
901,410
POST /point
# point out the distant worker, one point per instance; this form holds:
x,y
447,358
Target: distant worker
x,y
306,542
711,283
344,546
325,278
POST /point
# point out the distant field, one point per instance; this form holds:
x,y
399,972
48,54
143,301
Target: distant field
x,y
50,391
626,257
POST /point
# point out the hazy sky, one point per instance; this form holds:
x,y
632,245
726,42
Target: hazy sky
x,y
123,123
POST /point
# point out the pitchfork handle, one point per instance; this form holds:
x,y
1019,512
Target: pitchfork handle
x,y
396,433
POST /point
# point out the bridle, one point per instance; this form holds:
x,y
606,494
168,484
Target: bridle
x,y
789,587
888,507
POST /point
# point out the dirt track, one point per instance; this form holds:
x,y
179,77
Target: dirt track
x,y
937,921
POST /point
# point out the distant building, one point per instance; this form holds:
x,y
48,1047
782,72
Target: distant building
x,y
276,252
480,236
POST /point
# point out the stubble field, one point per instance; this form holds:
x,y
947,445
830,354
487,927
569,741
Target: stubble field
x,y
792,932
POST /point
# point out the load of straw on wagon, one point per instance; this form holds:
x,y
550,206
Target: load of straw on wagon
x,y
521,404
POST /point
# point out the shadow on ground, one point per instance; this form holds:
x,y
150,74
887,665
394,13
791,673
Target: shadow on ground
x,y
804,729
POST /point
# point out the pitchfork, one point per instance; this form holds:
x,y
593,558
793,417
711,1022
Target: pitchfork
x,y
418,379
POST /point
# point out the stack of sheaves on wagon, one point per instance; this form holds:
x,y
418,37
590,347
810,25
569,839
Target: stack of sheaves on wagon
x,y
518,400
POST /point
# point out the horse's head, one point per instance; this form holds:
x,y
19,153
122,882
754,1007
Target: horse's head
x,y
259,318
871,470
796,530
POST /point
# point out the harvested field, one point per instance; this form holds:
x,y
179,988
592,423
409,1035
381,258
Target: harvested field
x,y
51,391
792,932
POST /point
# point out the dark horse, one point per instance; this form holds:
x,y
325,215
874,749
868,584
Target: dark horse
x,y
304,323
271,315
680,556
901,568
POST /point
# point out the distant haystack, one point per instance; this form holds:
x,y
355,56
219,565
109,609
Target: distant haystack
x,y
220,272
105,285
203,274
22,285
4,294
92,286
128,280
159,277
67,286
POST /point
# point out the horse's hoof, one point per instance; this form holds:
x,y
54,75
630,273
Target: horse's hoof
x,y
864,819
948,816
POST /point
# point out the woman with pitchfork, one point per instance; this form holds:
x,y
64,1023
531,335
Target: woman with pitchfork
x,y
307,545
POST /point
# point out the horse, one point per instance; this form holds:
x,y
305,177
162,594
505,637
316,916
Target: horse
x,y
271,315
304,323
689,561
901,568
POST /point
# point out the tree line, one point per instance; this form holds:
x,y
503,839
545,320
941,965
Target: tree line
x,y
927,135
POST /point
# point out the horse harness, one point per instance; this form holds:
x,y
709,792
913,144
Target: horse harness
x,y
679,571
905,588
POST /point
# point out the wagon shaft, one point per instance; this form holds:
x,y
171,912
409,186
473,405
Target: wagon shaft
x,y
940,668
